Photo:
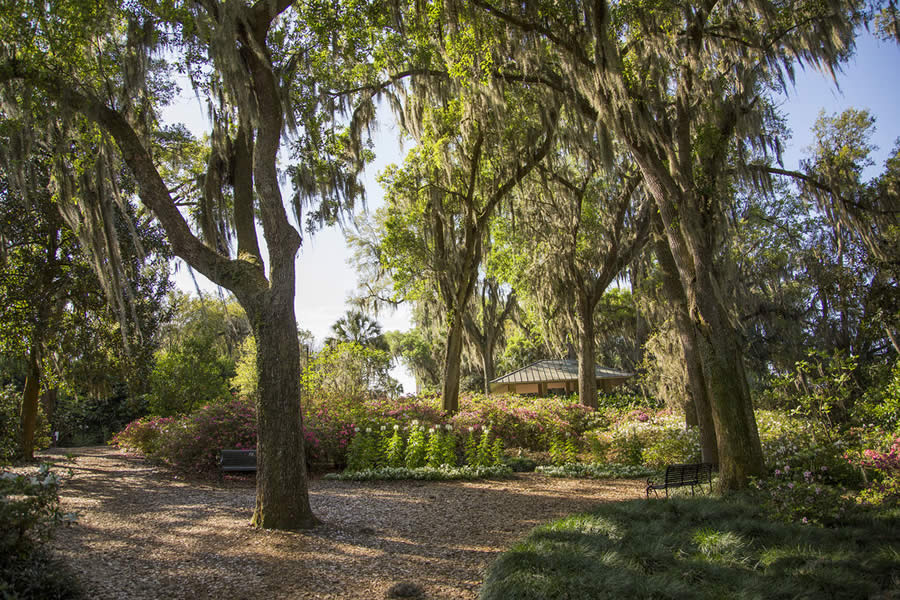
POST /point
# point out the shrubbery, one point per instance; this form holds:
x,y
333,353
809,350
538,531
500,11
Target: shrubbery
x,y
29,512
192,442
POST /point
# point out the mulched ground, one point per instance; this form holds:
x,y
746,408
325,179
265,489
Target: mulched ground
x,y
143,532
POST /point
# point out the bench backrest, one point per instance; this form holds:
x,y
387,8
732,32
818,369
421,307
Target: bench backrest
x,y
687,473
238,459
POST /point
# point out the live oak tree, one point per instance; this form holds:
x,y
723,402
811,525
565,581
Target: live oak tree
x,y
258,65
485,321
573,232
52,309
441,202
682,86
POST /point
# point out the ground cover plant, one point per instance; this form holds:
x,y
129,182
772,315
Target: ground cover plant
x,y
699,548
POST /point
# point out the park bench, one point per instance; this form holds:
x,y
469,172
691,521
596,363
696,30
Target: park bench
x,y
682,476
237,461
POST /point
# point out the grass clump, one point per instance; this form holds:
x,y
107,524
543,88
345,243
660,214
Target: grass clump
x,y
700,548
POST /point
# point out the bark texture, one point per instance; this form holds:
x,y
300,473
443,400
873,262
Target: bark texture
x,y
699,411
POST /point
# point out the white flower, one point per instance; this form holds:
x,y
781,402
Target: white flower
x,y
368,430
449,427
415,421
383,427
356,429
396,427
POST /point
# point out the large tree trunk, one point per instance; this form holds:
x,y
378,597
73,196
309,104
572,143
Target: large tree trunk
x,y
30,397
740,451
282,500
587,360
453,364
697,391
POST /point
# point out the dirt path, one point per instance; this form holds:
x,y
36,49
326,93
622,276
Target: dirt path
x,y
144,533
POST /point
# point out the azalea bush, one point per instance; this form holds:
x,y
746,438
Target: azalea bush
x,y
142,435
804,497
883,475
807,446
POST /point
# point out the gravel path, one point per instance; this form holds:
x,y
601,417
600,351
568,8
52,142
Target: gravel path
x,y
143,532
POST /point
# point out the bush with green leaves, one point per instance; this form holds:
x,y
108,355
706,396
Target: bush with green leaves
x,y
880,405
882,469
433,448
187,376
672,443
87,420
29,510
143,435
29,513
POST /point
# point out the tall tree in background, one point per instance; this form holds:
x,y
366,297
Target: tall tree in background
x,y
573,234
485,322
441,202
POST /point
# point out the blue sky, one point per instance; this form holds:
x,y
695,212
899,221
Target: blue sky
x,y
870,80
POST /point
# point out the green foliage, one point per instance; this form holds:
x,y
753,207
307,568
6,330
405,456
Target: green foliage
x,y
881,405
821,387
188,376
415,447
29,510
39,575
562,450
672,445
596,471
470,450
348,371
442,473
29,513
434,453
394,455
805,498
696,548
483,456
84,419
246,377
882,467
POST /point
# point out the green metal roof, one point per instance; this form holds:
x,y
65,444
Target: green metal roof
x,y
555,370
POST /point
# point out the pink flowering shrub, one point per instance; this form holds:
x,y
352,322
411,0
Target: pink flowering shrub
x,y
192,442
142,435
883,475
803,497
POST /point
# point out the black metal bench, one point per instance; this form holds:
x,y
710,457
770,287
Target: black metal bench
x,y
692,475
237,461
